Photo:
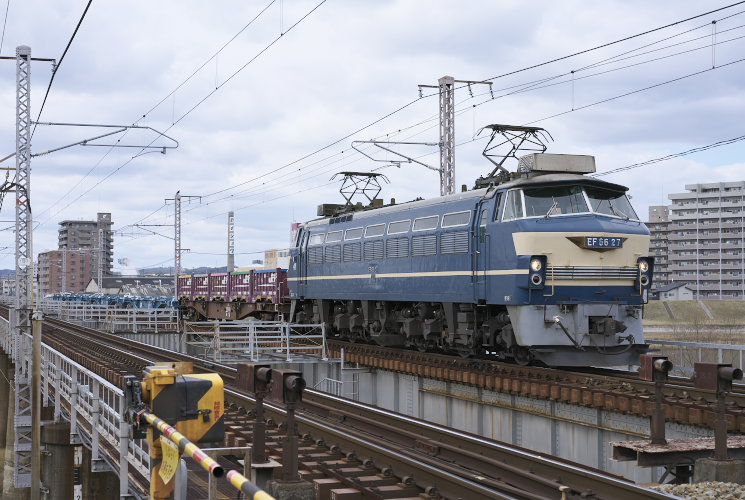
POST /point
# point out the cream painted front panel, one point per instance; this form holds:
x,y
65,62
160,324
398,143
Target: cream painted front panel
x,y
561,251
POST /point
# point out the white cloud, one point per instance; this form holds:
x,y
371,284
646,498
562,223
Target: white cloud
x,y
345,66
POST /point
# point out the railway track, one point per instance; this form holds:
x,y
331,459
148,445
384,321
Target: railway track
x,y
374,452
599,388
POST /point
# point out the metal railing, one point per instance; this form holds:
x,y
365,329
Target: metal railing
x,y
112,318
253,340
94,408
685,354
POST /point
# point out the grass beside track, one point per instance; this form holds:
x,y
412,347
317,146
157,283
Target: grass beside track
x,y
691,323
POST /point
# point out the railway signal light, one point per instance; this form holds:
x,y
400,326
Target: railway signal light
x,y
717,377
287,386
654,368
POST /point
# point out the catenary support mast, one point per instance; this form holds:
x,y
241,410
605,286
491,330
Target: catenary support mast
x,y
24,272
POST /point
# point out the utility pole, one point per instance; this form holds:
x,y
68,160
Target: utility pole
x,y
177,236
446,86
231,242
27,459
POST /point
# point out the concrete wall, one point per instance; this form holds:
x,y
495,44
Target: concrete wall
x,y
576,433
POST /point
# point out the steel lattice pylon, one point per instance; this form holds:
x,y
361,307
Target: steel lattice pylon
x,y
176,241
447,135
24,271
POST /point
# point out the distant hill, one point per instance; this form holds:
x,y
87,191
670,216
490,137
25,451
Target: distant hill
x,y
7,273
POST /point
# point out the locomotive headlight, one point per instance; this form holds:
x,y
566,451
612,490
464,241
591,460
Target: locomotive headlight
x,y
646,268
537,271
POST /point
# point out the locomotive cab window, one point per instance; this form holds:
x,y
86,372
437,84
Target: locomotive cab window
x,y
375,230
554,200
497,204
398,227
316,239
333,237
456,219
426,223
607,202
513,207
353,234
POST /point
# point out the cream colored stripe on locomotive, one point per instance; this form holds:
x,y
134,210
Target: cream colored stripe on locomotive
x,y
432,274
561,251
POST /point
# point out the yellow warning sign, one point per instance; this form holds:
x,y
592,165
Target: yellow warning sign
x,y
170,461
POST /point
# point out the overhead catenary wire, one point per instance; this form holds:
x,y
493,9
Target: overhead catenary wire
x,y
524,89
698,149
5,22
195,106
59,63
412,102
488,79
155,106
331,145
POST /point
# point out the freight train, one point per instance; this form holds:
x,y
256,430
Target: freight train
x,y
546,265
261,294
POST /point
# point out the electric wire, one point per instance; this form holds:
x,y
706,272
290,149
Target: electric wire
x,y
521,88
698,149
59,63
5,22
548,62
144,115
615,42
188,112
494,78
412,102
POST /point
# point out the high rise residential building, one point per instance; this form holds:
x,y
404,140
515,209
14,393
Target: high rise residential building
x,y
66,270
84,235
82,245
706,239
659,230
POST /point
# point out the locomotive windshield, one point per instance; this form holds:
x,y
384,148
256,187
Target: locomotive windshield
x,y
554,200
548,201
609,202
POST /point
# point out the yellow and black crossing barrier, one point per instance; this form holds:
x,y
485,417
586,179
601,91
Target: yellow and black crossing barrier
x,y
194,405
238,480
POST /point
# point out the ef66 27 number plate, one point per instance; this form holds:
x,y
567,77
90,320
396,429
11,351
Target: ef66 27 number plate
x,y
603,242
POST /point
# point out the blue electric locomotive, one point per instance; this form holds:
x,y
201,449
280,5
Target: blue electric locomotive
x,y
549,266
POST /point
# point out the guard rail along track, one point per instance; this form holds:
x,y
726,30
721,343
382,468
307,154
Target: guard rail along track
x,y
356,445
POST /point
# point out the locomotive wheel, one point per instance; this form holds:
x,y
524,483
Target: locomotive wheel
x,y
420,344
522,355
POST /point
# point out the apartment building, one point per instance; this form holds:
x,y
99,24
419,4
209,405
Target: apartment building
x,y
706,239
659,230
66,270
81,244
84,235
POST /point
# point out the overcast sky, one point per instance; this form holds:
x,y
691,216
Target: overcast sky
x,y
250,123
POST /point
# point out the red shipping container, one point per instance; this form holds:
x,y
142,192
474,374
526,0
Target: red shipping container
x,y
185,290
218,283
240,287
201,286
